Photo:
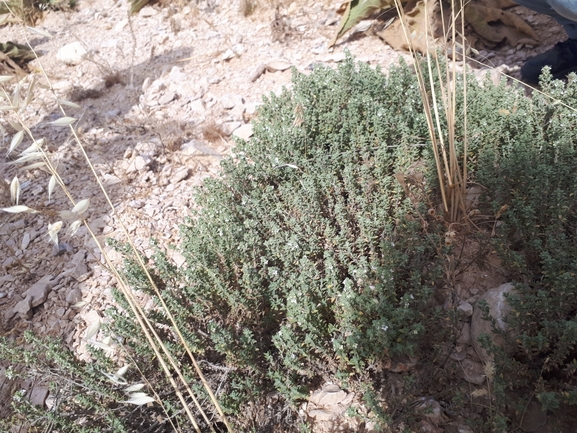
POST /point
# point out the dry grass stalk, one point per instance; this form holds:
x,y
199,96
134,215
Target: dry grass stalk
x,y
247,7
451,173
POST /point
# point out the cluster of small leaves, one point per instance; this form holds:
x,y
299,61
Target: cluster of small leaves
x,y
528,169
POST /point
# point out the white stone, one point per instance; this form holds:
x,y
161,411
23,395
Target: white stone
x,y
180,174
228,127
72,54
243,132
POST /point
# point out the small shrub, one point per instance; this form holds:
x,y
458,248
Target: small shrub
x,y
306,259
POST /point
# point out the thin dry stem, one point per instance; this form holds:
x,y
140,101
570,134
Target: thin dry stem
x,y
451,179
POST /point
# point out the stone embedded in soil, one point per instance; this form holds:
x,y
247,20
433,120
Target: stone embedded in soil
x,y
196,147
39,291
473,372
244,132
322,414
427,427
25,241
38,395
498,308
178,259
72,54
465,309
229,127
77,266
180,174
431,409
35,296
167,98
23,308
74,296
328,406
465,337
139,164
328,396
458,356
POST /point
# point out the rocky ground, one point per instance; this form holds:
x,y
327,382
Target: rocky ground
x,y
161,96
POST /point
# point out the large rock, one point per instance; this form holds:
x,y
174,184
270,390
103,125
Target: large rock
x,y
498,308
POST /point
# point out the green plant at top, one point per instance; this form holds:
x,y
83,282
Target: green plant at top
x,y
308,258
29,10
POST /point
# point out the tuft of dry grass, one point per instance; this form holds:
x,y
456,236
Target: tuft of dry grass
x,y
248,7
112,78
441,102
213,132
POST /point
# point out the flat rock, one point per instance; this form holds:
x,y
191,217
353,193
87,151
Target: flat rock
x,y
329,403
328,398
195,147
23,308
74,296
229,101
243,132
78,267
323,414
25,241
473,372
38,395
431,409
38,293
427,427
139,163
167,98
465,309
229,127
180,174
465,337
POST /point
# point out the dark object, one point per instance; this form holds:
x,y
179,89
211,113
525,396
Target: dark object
x,y
562,59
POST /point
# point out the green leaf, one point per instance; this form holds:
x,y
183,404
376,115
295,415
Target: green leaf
x,y
356,11
136,5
